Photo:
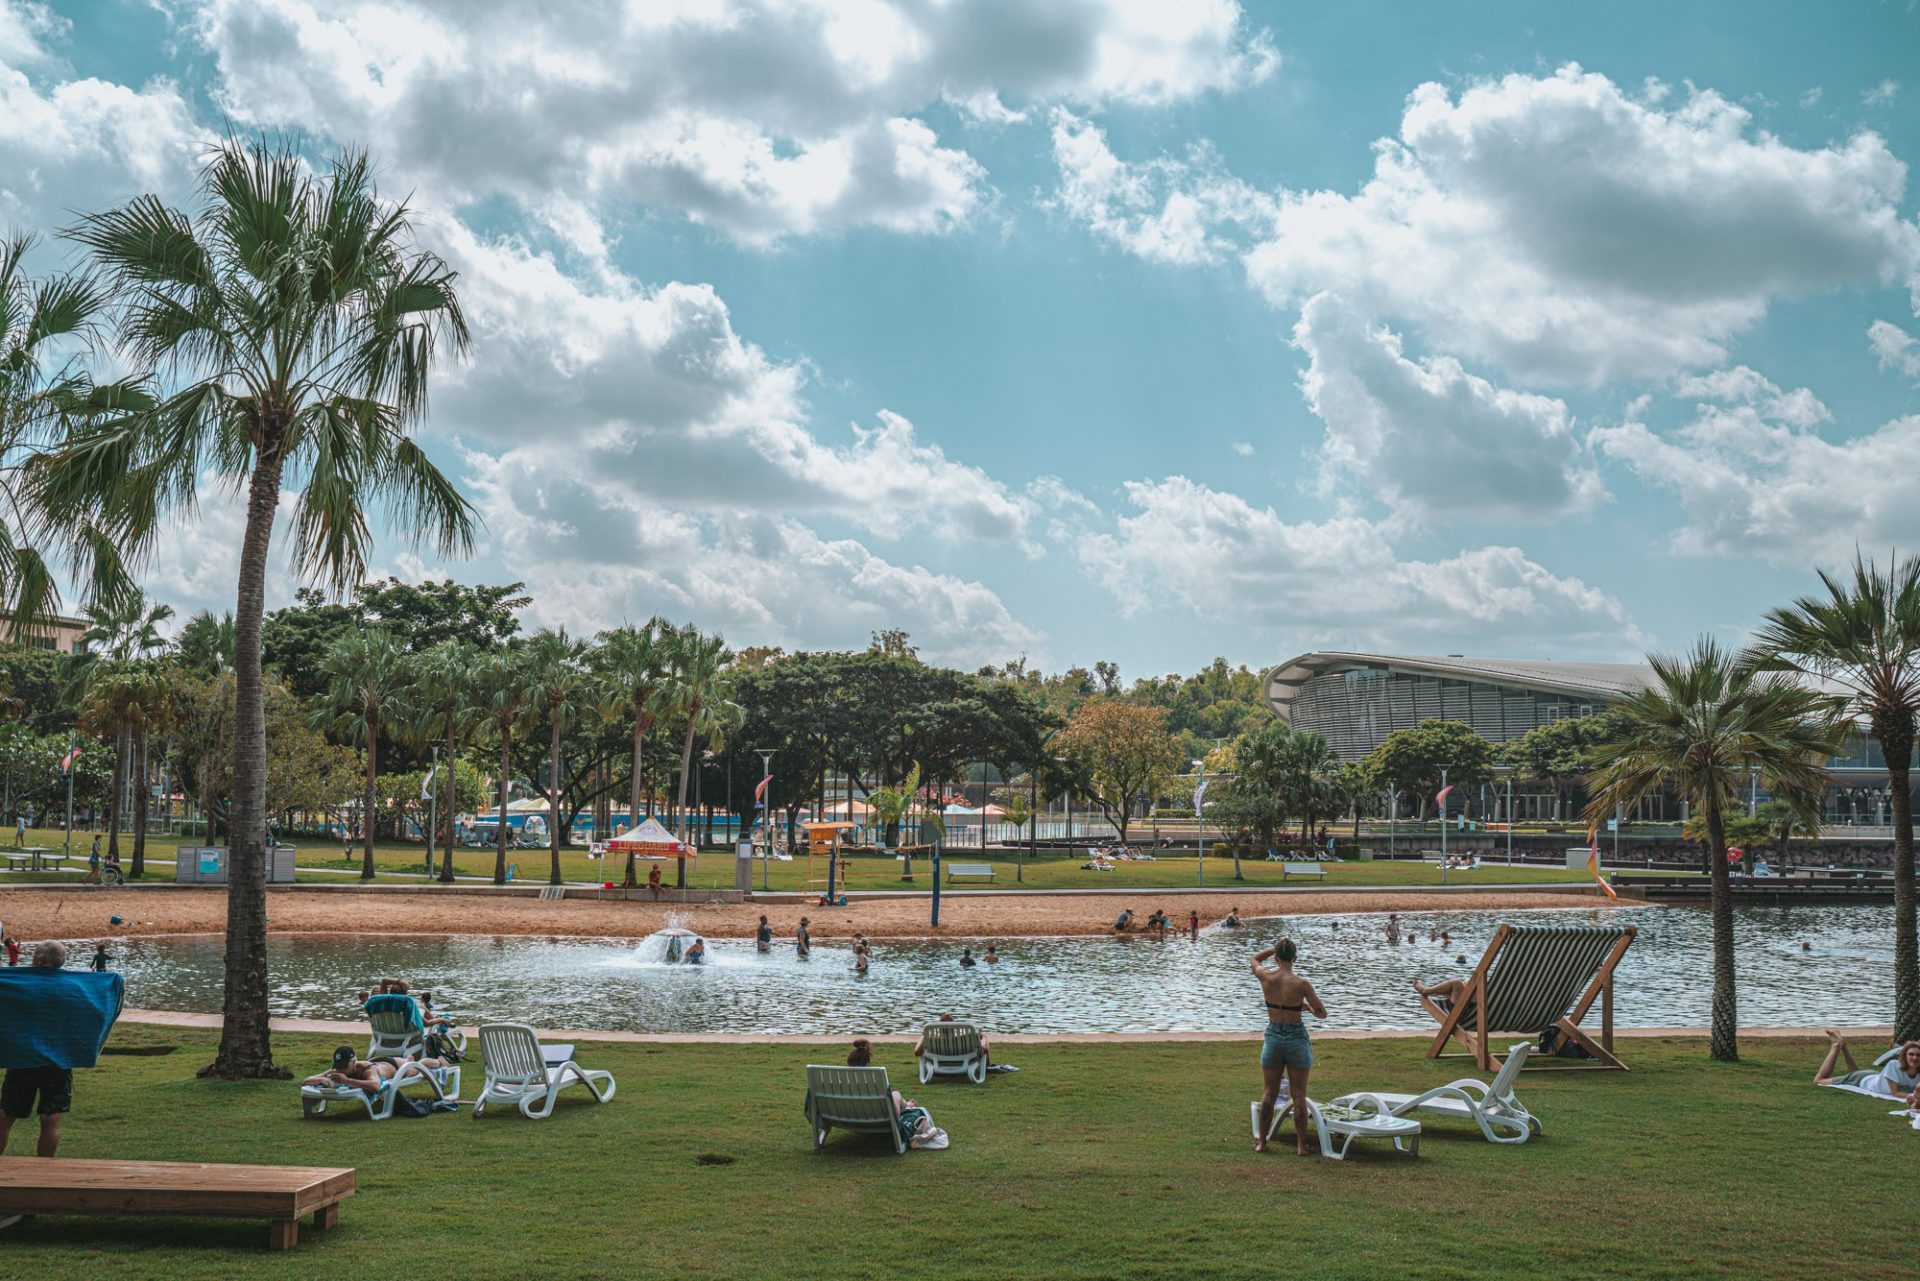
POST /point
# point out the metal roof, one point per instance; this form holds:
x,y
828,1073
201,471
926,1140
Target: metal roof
x,y
1591,680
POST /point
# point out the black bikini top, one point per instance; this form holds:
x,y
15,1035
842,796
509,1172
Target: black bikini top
x,y
1295,1008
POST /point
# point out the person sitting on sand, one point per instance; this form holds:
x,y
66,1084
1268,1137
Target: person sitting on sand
x,y
366,1074
1123,922
1897,1078
920,1046
1233,919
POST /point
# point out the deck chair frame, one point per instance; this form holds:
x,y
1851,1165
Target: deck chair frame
x,y
1492,1106
517,1072
1467,1019
952,1049
445,1082
859,1099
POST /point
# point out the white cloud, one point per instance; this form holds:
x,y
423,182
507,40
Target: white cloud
x,y
772,579
652,391
1166,210
1811,98
1753,483
1744,386
1243,448
27,29
1895,348
1429,439
1882,94
1336,581
1574,234
761,118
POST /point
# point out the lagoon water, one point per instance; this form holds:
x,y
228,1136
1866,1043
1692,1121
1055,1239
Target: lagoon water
x,y
1098,984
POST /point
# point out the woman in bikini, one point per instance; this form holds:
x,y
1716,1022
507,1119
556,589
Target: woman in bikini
x,y
1286,1048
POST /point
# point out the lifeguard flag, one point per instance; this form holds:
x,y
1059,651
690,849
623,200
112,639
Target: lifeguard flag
x,y
1593,861
66,762
760,792
1440,797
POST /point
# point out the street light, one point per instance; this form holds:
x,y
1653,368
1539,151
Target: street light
x,y
766,788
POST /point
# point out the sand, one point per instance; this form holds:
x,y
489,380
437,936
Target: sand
x,y
84,913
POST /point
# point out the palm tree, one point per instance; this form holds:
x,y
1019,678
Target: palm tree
x,y
121,630
696,676
634,665
555,683
125,699
1307,766
1702,726
1863,637
444,695
205,644
500,697
297,325
370,676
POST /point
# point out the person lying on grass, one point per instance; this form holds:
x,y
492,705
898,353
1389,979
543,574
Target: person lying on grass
x,y
1897,1078
370,1075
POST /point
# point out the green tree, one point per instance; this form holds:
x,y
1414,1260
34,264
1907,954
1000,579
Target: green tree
x,y
1863,637
1557,754
556,683
204,646
1707,721
1411,759
1125,751
887,806
370,680
501,695
445,707
696,678
297,324
632,662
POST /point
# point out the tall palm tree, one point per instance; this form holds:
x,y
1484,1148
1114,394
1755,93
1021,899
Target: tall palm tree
x,y
444,698
205,644
501,697
1307,766
370,683
122,630
557,684
125,699
296,324
696,676
1706,722
633,662
1863,637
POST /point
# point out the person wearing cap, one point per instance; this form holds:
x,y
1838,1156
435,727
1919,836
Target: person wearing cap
x,y
370,1075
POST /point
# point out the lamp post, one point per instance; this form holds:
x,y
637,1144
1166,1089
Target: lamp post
x,y
1443,825
1393,819
766,807
433,807
1509,820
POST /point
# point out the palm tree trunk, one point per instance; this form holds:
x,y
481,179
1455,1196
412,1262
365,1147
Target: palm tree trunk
x,y
366,835
119,791
500,809
640,723
1724,1035
450,801
1898,748
686,762
553,801
246,1048
139,746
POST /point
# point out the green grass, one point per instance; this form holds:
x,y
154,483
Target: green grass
x,y
714,869
1093,1161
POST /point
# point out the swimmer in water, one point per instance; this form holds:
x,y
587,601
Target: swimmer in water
x,y
696,953
992,957
1393,927
966,958
1805,946
860,959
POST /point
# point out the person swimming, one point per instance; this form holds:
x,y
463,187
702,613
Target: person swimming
x,y
966,958
696,953
992,957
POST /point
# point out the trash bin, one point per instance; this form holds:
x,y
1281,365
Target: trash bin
x,y
743,866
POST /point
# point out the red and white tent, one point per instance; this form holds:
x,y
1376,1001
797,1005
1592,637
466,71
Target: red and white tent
x,y
649,840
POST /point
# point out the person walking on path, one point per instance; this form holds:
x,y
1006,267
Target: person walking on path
x,y
1285,1049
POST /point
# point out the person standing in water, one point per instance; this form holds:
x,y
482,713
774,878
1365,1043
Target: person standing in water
x,y
1286,1049
763,937
802,942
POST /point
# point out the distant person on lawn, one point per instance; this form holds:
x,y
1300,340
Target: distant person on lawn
x,y
1897,1078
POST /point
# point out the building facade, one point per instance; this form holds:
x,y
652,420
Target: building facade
x,y
59,633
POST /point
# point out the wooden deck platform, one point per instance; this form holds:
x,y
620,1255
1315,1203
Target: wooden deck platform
x,y
280,1194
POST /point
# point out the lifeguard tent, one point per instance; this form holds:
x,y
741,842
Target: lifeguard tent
x,y
650,840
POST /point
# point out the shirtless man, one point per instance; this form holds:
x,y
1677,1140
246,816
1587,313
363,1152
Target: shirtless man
x,y
365,1074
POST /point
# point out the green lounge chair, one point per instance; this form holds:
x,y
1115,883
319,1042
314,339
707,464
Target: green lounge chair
x,y
852,1098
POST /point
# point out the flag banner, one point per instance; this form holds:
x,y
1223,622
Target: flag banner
x,y
66,762
1440,797
1593,862
1199,797
760,792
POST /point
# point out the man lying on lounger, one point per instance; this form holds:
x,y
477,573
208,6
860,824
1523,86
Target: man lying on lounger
x,y
369,1075
1897,1078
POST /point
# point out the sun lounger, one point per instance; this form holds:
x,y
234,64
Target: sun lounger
x,y
951,1049
398,1030
518,1072
1345,1123
852,1098
1535,977
1491,1106
445,1083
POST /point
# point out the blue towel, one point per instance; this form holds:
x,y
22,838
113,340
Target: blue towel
x,y
56,1018
396,1003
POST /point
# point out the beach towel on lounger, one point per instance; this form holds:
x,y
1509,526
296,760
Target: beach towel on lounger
x,y
56,1018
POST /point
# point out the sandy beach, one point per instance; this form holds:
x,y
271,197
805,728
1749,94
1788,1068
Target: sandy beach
x,y
87,913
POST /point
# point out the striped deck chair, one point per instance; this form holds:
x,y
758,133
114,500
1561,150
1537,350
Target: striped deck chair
x,y
852,1098
1535,977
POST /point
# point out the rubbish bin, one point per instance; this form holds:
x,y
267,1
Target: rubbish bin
x,y
743,866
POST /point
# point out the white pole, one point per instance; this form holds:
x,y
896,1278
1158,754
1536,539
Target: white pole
x,y
1443,825
1509,822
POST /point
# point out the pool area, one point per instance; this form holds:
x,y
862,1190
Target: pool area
x,y
1088,984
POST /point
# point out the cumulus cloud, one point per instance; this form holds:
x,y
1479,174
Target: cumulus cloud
x,y
1575,234
760,118
1742,385
1164,210
1336,581
1432,441
1895,348
772,578
1754,479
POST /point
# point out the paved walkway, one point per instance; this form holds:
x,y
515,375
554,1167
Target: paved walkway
x,y
332,1027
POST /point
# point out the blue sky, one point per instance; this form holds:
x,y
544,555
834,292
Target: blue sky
x,y
1098,329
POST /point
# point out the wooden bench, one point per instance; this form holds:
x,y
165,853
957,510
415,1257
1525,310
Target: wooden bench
x,y
1290,870
280,1194
969,869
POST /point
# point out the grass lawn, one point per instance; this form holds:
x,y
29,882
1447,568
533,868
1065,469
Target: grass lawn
x,y
1093,1161
714,868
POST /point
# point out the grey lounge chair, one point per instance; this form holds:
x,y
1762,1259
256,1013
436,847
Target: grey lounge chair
x,y
852,1098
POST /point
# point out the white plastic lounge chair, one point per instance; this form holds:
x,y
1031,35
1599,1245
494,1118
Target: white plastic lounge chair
x,y
951,1049
398,1030
1491,1106
1345,1123
852,1098
1535,977
445,1083
518,1072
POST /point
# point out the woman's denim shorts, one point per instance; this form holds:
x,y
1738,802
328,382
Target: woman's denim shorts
x,y
1286,1045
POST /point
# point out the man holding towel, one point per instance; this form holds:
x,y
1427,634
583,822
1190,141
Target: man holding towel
x,y
50,1023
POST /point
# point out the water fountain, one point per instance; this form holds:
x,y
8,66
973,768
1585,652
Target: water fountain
x,y
666,946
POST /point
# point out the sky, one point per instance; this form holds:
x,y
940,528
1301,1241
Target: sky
x,y
1093,329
